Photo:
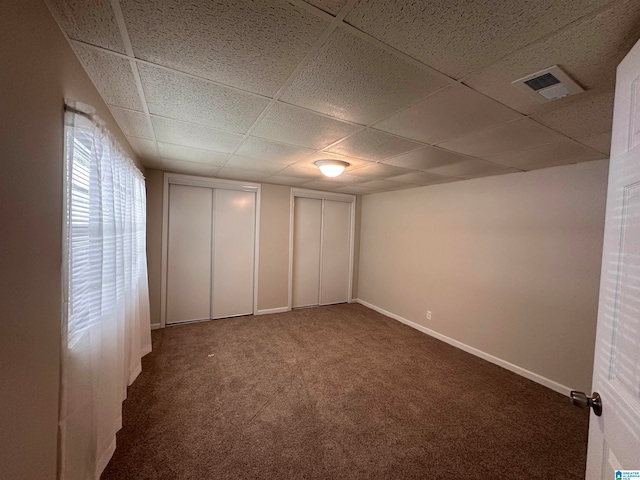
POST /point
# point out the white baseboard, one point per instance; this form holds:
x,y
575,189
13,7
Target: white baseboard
x,y
267,311
155,326
563,389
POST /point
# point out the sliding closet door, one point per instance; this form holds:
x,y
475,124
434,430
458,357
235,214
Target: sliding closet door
x,y
306,251
334,271
233,252
189,254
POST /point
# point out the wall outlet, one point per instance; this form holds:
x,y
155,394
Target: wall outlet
x,y
428,314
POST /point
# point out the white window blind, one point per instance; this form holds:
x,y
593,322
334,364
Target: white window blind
x,y
106,327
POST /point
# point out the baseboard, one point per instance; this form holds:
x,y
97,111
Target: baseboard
x,y
155,326
563,389
267,311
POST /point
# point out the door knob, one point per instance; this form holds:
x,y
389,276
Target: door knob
x,y
582,400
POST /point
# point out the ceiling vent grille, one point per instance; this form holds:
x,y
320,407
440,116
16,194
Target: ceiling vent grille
x,y
548,84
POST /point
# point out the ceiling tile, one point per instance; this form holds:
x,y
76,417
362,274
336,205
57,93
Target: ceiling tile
x,y
588,51
196,136
302,171
600,142
472,168
194,155
241,174
358,190
260,148
560,153
382,185
112,75
457,37
174,95
89,21
323,185
143,147
285,180
425,158
239,162
351,79
516,135
591,116
329,6
379,170
253,45
451,112
186,168
421,178
297,126
373,145
132,123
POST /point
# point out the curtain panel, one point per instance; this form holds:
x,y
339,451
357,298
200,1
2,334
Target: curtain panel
x,y
106,325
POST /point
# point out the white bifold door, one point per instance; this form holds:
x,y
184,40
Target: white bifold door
x,y
210,253
321,252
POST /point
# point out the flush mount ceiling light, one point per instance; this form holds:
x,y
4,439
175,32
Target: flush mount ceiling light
x,y
331,168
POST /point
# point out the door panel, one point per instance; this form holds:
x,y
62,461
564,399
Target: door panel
x,y
614,437
233,253
336,229
189,254
306,252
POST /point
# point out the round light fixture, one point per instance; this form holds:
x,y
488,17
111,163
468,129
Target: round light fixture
x,y
331,168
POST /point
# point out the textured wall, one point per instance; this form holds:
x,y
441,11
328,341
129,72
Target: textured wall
x,y
509,265
39,70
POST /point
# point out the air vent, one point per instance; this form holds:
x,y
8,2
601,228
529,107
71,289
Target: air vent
x,y
548,84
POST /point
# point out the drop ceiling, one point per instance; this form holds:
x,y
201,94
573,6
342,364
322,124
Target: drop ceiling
x,y
410,93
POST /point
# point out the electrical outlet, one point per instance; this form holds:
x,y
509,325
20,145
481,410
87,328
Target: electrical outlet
x,y
428,314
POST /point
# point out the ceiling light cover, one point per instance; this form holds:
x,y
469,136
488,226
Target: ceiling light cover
x,y
331,168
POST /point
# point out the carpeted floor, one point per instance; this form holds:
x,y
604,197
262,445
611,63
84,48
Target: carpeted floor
x,y
338,392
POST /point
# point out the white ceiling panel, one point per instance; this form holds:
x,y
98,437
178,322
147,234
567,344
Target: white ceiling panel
x,y
89,21
187,168
239,162
194,155
285,180
373,145
133,124
253,45
600,142
584,118
242,174
262,149
457,37
560,153
382,185
354,80
143,147
588,51
195,136
179,96
421,178
323,185
516,135
112,75
301,171
329,6
379,170
425,158
297,126
452,112
472,168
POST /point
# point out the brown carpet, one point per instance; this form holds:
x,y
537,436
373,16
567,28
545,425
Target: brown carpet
x,y
337,392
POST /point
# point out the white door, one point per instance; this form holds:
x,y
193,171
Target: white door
x,y
188,254
336,233
307,227
614,437
233,253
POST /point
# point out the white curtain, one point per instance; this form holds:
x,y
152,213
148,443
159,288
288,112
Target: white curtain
x,y
106,327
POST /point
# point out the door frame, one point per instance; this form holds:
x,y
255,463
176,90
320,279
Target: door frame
x,y
194,181
319,195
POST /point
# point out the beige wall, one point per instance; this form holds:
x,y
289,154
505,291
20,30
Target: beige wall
x,y
39,70
509,265
154,181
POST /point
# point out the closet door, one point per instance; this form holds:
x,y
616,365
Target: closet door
x,y
233,253
334,271
306,251
189,254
